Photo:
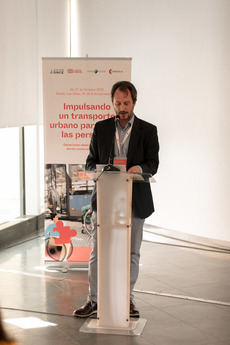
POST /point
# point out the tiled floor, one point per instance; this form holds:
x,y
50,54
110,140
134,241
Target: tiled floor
x,y
184,293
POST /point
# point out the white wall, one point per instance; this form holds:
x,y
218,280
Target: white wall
x,y
18,61
29,30
181,57
53,36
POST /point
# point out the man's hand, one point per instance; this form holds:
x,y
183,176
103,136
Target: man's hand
x,y
135,170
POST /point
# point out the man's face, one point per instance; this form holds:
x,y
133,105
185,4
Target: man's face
x,y
123,104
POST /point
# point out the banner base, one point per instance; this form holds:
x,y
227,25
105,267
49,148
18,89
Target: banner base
x,y
70,266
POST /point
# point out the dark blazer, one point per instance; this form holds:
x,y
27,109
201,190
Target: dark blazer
x,y
143,151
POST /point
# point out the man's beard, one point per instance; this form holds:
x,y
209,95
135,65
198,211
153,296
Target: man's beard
x,y
119,115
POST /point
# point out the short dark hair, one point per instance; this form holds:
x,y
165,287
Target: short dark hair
x,y
124,86
53,215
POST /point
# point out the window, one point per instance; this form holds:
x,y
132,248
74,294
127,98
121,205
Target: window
x,y
9,174
21,173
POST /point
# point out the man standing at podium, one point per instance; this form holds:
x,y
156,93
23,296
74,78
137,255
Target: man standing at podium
x,y
134,143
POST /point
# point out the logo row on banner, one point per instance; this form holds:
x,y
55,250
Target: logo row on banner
x,y
78,70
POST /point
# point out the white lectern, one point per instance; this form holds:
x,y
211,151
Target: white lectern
x,y
114,200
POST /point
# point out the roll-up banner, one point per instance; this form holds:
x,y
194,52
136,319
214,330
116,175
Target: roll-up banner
x,y
76,94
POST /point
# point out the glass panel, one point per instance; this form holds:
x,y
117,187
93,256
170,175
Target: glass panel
x,y
9,174
34,170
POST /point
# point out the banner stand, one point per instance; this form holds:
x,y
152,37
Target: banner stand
x,y
76,94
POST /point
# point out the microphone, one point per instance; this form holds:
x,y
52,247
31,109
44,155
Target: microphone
x,y
111,152
110,166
